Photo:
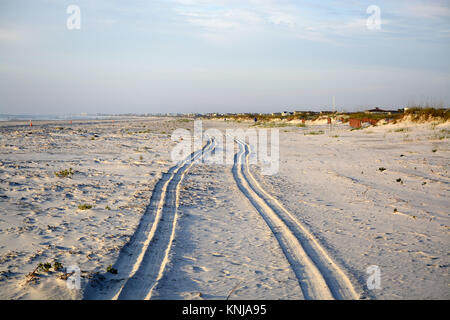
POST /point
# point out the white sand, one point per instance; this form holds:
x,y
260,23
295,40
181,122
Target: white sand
x,y
333,184
40,220
329,183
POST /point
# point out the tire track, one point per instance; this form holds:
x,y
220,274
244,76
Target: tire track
x,y
142,261
318,275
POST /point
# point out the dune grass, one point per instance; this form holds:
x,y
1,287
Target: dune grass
x,y
64,173
314,133
423,113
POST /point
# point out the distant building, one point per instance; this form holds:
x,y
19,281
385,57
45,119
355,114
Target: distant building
x,y
378,110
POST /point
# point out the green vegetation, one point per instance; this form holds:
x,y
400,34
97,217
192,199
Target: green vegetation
x,y
415,113
110,269
127,131
273,124
57,266
64,173
307,115
372,116
44,266
184,120
84,206
438,137
314,133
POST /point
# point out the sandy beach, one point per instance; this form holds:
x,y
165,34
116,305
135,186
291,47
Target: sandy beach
x,y
105,193
115,166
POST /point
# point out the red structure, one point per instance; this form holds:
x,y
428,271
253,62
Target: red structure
x,y
354,123
371,121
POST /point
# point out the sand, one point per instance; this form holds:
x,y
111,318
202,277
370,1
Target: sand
x,y
203,231
115,164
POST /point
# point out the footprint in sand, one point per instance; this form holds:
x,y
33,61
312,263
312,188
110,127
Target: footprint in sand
x,y
199,269
219,255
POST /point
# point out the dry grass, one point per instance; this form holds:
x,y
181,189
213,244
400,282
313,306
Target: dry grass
x,y
419,113
416,113
314,133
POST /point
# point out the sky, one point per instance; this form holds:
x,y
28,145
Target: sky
x,y
163,56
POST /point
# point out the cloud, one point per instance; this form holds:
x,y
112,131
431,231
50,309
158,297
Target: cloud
x,y
311,22
219,19
428,10
222,15
279,17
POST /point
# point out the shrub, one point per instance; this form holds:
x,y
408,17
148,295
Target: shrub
x,y
84,206
44,266
184,120
64,173
110,269
373,116
57,265
313,133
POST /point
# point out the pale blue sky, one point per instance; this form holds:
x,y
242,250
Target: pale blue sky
x,y
221,56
